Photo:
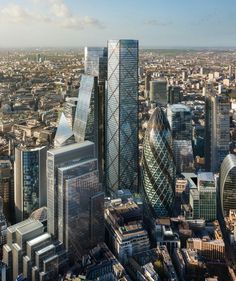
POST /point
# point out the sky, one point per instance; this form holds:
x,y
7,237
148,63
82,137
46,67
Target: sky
x,y
155,23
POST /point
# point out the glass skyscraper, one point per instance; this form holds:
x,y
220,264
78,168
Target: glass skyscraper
x,y
30,180
121,140
95,64
57,158
158,168
81,207
85,123
180,120
228,183
217,128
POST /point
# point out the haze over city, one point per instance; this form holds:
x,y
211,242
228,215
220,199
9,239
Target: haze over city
x,y
156,23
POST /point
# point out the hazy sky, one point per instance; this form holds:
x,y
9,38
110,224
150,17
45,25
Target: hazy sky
x,y
157,23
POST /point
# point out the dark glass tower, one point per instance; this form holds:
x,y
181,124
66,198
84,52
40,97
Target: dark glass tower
x,y
121,142
158,166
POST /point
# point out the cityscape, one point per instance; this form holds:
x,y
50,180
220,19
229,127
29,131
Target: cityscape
x,y
117,152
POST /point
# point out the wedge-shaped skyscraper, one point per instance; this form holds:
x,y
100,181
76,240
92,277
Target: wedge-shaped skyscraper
x,y
158,168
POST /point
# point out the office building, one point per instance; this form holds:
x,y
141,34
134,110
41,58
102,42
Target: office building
x,y
217,125
57,158
148,78
30,180
96,65
31,253
75,200
175,94
158,91
95,61
7,188
80,207
183,154
209,249
3,228
228,184
124,229
101,264
146,265
203,198
158,168
180,120
122,116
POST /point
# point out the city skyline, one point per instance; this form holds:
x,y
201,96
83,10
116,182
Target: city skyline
x,y
67,23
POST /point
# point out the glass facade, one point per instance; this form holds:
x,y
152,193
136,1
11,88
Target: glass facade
x,y
85,124
96,65
121,144
180,120
95,62
80,207
59,158
207,196
64,134
228,184
69,110
30,181
158,168
216,130
183,153
158,91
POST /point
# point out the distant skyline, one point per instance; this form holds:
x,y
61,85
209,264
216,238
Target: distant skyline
x,y
155,23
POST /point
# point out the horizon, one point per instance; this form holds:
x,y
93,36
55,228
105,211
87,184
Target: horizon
x,y
157,24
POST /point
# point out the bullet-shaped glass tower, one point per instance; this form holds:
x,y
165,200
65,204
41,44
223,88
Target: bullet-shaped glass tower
x,y
158,168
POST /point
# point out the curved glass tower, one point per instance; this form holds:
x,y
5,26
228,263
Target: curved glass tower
x,y
158,166
228,183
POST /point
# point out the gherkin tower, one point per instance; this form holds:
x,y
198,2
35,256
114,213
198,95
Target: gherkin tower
x,y
158,167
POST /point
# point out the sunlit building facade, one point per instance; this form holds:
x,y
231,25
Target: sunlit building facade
x,y
80,207
86,121
228,184
58,158
158,168
121,120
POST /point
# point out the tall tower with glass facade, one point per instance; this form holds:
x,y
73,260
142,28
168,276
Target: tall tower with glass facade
x,y
30,180
75,200
180,120
121,142
217,130
158,168
95,64
228,184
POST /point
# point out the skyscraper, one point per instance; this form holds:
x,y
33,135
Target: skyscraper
x,y
95,62
158,91
228,183
180,120
56,158
86,115
30,180
158,168
7,188
122,116
217,129
75,200
80,207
